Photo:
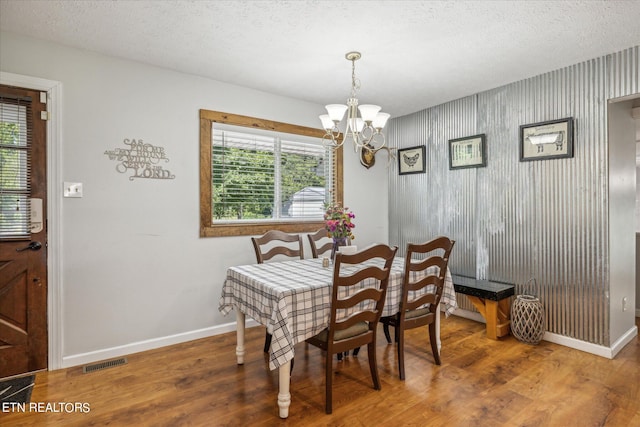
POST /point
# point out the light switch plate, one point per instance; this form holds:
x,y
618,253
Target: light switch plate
x,y
72,189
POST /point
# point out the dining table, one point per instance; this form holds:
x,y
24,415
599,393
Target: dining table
x,y
293,299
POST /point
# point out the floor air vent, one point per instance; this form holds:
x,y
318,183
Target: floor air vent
x,y
104,365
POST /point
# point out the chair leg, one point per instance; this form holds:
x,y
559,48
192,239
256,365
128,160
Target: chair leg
x,y
385,328
434,344
400,340
267,342
373,365
328,382
396,325
342,355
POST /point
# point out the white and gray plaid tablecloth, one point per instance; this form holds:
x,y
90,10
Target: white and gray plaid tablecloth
x,y
293,299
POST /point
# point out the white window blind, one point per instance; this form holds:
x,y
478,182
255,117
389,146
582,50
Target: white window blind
x,y
15,167
262,175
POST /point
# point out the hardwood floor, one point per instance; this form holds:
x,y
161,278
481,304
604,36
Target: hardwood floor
x,y
480,383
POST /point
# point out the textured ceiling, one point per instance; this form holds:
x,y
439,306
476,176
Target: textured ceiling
x,y
415,54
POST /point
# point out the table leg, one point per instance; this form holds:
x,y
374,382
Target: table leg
x,y
240,336
284,397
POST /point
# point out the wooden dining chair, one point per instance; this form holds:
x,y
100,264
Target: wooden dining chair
x,y
274,243
357,299
422,283
321,243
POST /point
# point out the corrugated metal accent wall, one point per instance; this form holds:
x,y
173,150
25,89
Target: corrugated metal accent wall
x,y
514,221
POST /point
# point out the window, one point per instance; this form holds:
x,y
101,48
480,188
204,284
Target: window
x,y
15,142
258,175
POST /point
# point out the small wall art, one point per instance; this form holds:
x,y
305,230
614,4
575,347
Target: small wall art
x,y
141,159
547,140
468,152
411,160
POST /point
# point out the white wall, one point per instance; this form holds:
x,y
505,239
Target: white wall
x,y
637,214
622,189
638,185
134,271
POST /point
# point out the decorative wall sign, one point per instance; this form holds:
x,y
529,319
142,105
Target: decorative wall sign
x,y
547,140
411,160
469,152
142,159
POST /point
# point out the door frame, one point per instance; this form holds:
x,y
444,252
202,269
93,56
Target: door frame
x,y
54,207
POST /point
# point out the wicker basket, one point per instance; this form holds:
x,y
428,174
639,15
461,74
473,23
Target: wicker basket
x,y
527,318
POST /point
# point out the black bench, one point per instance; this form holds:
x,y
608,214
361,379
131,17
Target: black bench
x,y
491,299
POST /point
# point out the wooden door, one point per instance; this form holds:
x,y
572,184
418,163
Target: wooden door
x,y
23,237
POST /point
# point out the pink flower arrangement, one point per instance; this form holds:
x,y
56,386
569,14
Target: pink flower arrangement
x,y
338,222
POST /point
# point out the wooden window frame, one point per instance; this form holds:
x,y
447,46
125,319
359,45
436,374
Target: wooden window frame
x,y
208,227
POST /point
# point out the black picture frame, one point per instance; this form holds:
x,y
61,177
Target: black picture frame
x,y
411,160
468,152
552,139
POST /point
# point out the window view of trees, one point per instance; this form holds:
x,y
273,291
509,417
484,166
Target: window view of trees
x,y
243,183
13,200
256,178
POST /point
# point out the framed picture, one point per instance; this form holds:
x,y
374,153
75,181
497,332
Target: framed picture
x,y
546,140
411,160
469,152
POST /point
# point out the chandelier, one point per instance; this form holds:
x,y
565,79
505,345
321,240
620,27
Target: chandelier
x,y
364,131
